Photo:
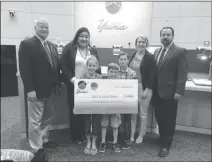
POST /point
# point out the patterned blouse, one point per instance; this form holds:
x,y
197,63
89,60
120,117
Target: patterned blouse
x,y
135,65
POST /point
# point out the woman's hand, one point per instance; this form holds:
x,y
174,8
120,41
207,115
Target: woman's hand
x,y
72,80
31,96
145,94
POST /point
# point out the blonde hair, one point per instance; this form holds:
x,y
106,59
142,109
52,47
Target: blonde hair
x,y
92,58
144,38
113,66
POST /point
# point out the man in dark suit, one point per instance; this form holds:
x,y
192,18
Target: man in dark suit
x,y
170,83
39,69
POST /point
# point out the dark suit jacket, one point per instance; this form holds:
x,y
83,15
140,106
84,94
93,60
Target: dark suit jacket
x,y
36,71
172,74
147,69
67,61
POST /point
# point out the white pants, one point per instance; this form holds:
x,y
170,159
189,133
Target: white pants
x,y
143,112
40,114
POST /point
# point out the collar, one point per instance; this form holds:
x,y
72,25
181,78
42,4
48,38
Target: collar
x,y
167,48
41,40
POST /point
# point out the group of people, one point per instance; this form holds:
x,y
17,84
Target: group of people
x,y
161,82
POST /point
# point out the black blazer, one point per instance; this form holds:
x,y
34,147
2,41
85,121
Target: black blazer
x,y
147,69
172,74
36,71
67,61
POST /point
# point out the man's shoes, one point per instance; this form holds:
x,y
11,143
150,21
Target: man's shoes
x,y
164,152
50,144
40,155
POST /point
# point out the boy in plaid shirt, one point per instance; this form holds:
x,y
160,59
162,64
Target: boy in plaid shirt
x,y
125,73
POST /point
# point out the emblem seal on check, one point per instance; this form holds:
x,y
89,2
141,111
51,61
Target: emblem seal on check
x,y
94,85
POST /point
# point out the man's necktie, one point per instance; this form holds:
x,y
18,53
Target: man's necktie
x,y
161,57
48,52
45,45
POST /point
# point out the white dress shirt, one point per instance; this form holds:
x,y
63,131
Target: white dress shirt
x,y
42,41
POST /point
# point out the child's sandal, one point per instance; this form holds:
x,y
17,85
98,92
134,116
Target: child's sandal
x,y
94,151
87,150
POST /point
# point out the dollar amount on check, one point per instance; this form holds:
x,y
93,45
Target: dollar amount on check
x,y
105,96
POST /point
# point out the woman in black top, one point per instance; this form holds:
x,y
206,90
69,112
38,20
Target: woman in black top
x,y
73,66
143,63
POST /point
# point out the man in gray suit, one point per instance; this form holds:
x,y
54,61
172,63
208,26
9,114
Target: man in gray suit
x,y
170,83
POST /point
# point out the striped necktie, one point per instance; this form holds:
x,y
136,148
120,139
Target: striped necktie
x,y
45,45
160,62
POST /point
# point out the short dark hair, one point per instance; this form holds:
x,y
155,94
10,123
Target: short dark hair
x,y
123,53
167,27
113,66
79,31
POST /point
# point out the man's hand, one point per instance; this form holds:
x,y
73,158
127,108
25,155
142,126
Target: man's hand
x,y
177,96
31,96
61,84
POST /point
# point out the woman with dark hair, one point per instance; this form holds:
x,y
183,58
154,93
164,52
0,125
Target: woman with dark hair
x,y
143,63
73,66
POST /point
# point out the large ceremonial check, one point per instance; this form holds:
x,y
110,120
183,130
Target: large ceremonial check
x,y
105,96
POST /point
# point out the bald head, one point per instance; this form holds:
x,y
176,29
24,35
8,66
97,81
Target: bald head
x,y
42,28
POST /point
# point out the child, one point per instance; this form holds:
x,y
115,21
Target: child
x,y
92,65
125,73
113,119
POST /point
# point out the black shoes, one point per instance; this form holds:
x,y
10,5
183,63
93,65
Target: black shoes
x,y
164,152
39,156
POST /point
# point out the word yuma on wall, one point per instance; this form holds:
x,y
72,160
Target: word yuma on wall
x,y
107,25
